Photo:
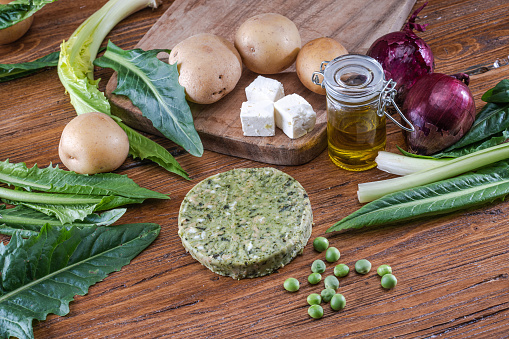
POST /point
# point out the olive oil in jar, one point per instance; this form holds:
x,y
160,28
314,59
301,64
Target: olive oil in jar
x,y
355,138
354,86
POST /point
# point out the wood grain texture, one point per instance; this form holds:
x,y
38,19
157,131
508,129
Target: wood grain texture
x,y
356,24
453,271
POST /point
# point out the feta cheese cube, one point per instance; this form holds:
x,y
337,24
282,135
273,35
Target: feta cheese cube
x,y
264,89
294,115
257,118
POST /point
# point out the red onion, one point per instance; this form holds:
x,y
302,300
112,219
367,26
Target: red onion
x,y
403,55
441,108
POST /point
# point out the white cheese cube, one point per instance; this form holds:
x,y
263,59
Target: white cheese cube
x,y
264,89
294,115
257,118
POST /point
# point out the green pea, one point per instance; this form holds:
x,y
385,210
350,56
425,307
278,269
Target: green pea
x,y
338,302
315,311
320,244
314,299
332,254
314,278
389,281
341,270
327,294
363,266
383,270
331,282
318,266
291,285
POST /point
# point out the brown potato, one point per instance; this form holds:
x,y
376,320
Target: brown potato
x,y
268,43
14,32
93,143
209,67
311,56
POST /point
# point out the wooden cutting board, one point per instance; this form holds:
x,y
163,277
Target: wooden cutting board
x,y
354,23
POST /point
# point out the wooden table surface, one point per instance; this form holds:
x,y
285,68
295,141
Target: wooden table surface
x,y
452,271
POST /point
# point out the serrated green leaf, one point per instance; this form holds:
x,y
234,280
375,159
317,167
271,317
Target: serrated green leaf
x,y
152,86
41,275
54,179
10,72
19,10
28,219
469,190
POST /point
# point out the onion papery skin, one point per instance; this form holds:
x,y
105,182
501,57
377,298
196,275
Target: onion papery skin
x,y
441,108
404,56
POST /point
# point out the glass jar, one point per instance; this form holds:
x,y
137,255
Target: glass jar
x,y
357,95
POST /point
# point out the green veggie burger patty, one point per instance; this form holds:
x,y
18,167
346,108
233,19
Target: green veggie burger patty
x,y
246,222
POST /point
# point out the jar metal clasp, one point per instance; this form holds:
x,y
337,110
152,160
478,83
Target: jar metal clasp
x,y
385,98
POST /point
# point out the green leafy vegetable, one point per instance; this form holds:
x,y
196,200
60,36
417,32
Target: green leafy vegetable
x,y
163,100
30,221
19,10
10,72
67,195
469,190
377,189
42,274
499,93
76,72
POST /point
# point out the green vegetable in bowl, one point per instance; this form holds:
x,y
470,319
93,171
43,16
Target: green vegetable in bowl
x,y
314,278
318,266
320,244
291,285
331,282
388,281
315,311
362,266
383,270
341,270
314,299
332,254
338,302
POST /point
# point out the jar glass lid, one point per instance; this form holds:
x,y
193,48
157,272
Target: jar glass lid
x,y
353,78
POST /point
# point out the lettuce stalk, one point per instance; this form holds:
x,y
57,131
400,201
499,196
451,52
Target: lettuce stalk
x,y
76,72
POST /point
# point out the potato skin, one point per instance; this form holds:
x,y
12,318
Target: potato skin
x,y
311,56
268,43
93,143
209,67
14,32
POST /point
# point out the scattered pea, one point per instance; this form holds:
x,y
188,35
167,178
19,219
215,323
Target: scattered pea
x,y
332,254
314,278
383,270
389,281
341,270
314,299
327,294
338,302
291,285
318,266
363,266
331,282
315,311
320,244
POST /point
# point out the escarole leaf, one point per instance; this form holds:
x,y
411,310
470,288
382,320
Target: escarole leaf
x,y
466,191
42,274
10,72
66,195
54,179
19,10
30,221
163,100
76,73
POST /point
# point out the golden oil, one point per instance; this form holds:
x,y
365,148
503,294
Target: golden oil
x,y
355,137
